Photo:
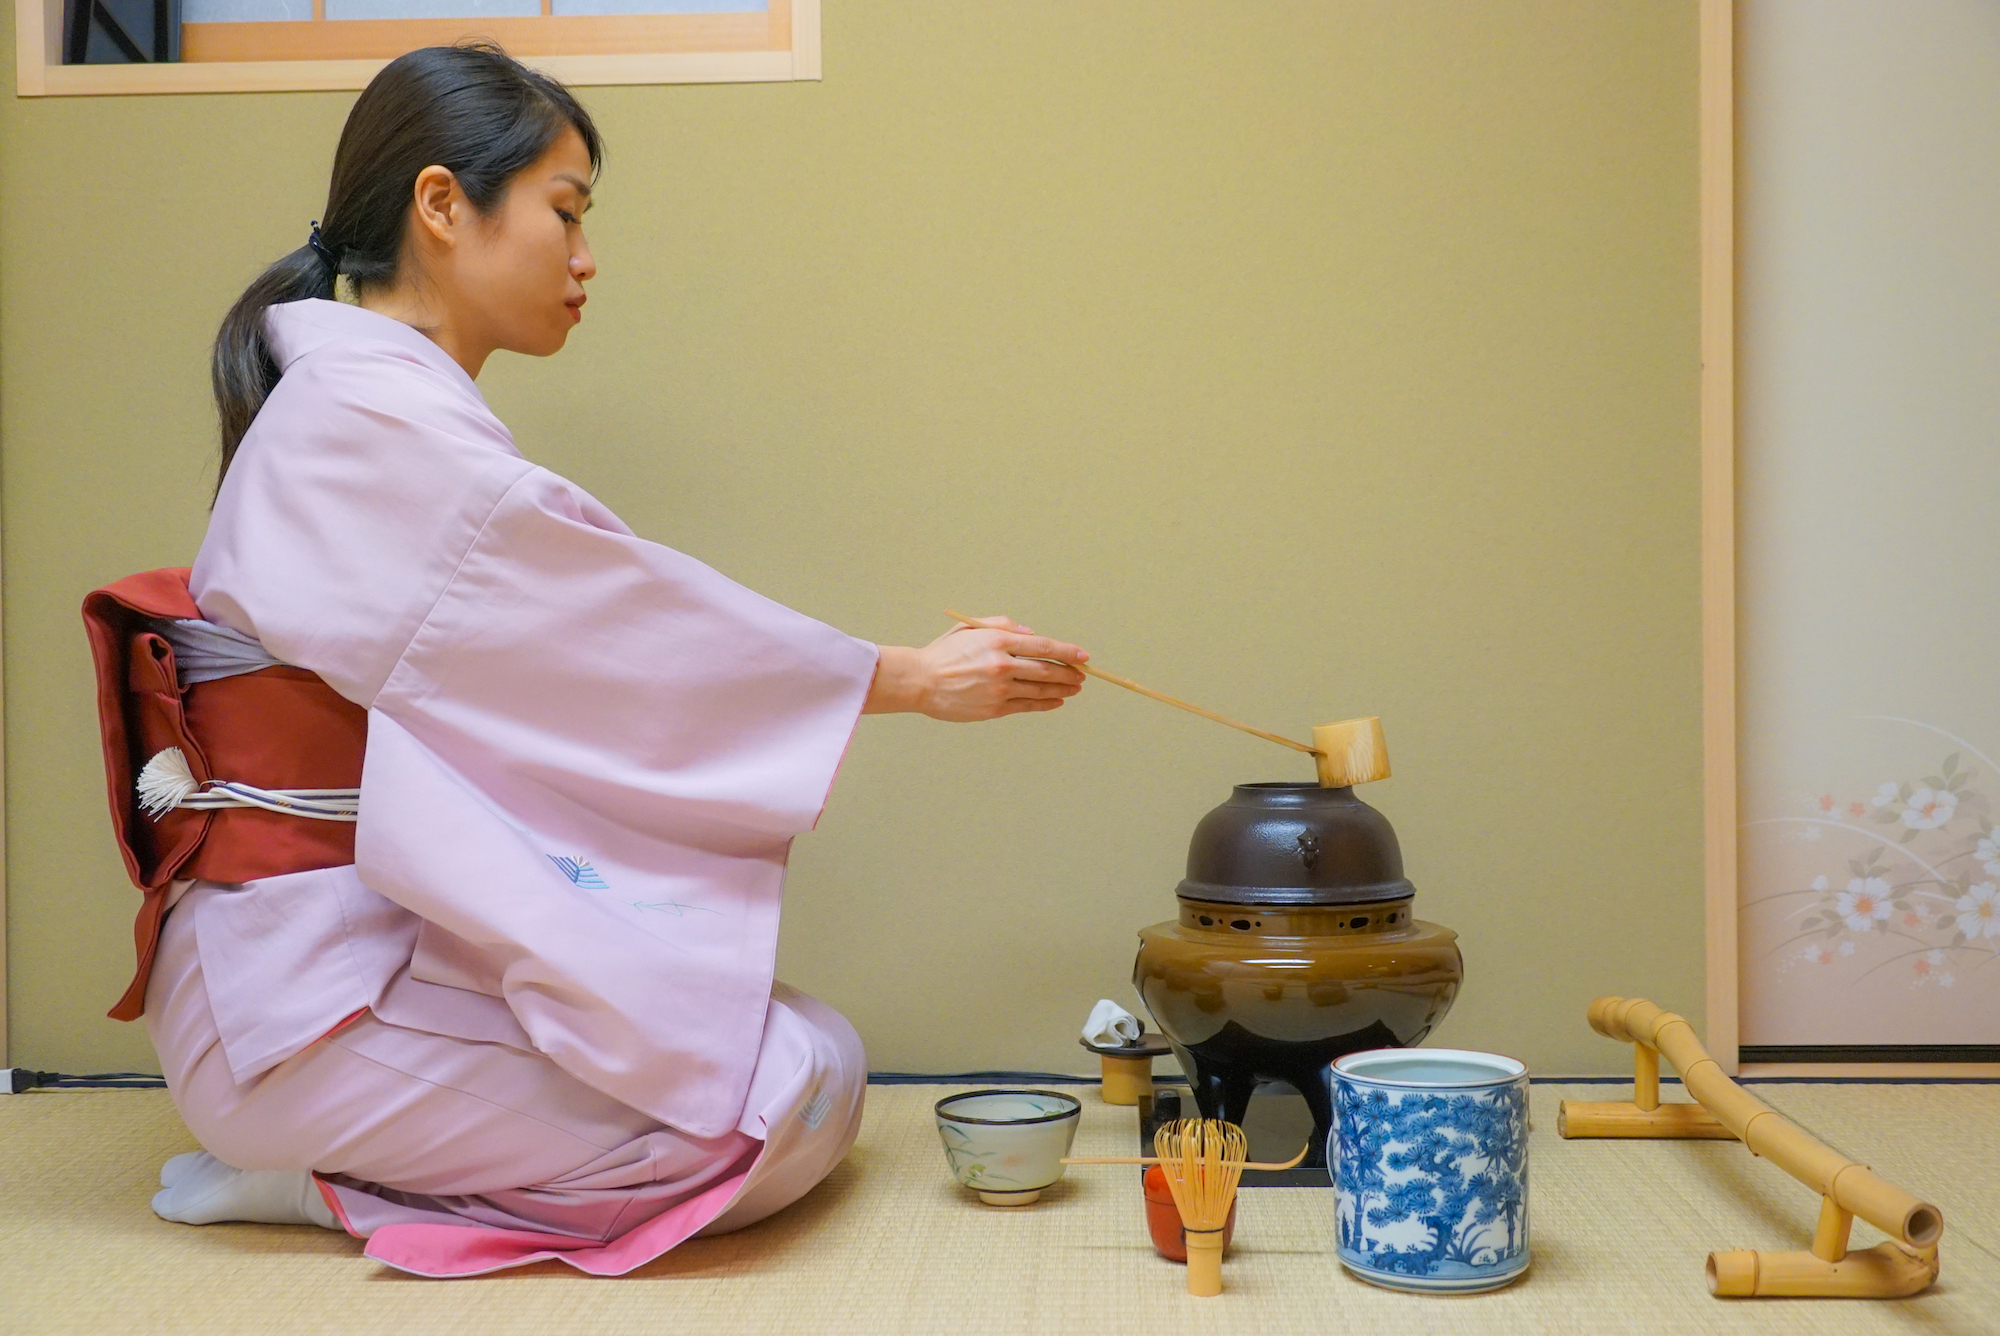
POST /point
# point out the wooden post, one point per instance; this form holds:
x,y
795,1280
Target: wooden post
x,y
1830,1236
1645,1077
1716,167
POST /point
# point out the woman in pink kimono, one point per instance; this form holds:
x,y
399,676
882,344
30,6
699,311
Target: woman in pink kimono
x,y
536,1016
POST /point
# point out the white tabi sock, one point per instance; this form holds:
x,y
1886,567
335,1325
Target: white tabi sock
x,y
198,1189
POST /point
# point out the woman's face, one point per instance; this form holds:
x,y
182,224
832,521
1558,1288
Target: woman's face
x,y
521,277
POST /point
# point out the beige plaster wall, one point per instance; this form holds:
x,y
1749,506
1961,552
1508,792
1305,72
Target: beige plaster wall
x,y
1342,364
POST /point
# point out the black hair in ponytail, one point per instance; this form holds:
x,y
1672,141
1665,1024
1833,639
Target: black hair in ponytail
x,y
471,109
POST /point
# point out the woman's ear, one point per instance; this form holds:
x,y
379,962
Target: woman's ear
x,y
440,204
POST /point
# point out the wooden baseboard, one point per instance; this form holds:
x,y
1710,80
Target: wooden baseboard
x,y
1872,1053
1873,1071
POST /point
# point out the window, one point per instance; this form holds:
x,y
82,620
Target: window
x,y
269,45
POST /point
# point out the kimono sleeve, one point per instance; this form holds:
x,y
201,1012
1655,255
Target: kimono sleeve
x,y
586,769
571,662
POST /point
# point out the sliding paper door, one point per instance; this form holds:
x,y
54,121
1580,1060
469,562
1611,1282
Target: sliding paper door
x,y
1869,528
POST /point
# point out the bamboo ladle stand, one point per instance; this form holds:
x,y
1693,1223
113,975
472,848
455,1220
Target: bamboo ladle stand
x,y
1349,752
1905,1265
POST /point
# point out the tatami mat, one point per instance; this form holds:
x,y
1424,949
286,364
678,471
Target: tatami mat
x,y
889,1244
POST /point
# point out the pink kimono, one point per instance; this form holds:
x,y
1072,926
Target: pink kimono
x,y
537,1016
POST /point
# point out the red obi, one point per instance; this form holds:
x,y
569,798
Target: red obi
x,y
276,728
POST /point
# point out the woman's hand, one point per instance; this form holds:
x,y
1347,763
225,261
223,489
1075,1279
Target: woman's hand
x,y
999,667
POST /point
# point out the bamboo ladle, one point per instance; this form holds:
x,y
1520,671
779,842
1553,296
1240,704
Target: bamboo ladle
x,y
1350,752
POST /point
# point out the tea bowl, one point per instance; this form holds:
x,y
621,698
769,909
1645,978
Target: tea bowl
x,y
1007,1145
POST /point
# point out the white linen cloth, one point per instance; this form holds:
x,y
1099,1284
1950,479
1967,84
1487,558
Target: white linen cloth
x,y
1109,1025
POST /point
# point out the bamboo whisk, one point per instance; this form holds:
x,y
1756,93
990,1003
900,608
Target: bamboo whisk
x,y
1202,1158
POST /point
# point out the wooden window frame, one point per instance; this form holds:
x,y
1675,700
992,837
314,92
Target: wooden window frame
x,y
779,45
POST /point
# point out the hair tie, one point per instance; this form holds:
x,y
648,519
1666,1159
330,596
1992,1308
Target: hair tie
x,y
320,248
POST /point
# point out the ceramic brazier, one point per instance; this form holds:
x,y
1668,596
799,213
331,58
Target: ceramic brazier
x,y
1295,945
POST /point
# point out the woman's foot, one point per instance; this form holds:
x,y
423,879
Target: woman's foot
x,y
198,1189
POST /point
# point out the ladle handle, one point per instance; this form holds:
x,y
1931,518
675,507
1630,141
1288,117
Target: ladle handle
x,y
1161,696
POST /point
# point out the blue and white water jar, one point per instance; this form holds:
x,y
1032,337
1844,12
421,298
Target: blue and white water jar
x,y
1430,1166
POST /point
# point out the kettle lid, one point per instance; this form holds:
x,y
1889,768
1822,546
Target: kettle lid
x,y
1294,844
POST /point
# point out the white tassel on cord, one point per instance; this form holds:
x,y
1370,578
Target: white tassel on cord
x,y
167,782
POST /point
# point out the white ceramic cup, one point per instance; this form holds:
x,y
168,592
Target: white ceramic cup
x,y
1007,1145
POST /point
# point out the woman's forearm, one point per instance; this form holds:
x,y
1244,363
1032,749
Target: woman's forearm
x,y
899,682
